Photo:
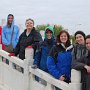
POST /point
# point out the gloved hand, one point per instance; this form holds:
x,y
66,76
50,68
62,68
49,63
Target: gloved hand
x,y
11,54
34,66
67,80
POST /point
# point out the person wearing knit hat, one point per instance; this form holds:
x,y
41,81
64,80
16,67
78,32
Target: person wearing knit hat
x,y
80,37
83,65
79,50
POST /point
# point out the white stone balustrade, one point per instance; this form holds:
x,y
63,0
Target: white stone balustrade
x,y
12,79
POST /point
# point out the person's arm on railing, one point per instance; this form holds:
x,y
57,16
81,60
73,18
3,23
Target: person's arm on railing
x,y
87,68
79,64
11,54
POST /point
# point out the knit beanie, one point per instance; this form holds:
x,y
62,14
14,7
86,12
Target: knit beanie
x,y
80,32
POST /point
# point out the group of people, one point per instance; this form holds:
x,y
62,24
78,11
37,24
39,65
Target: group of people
x,y
56,56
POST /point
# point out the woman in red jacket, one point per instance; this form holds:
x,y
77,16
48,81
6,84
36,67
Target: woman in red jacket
x,y
1,38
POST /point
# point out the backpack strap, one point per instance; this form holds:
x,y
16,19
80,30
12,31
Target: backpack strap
x,y
12,35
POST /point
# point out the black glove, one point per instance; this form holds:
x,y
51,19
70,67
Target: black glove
x,y
34,66
67,80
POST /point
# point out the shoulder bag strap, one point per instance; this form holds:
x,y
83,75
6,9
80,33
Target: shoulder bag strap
x,y
12,35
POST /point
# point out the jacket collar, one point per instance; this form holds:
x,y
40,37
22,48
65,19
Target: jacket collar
x,y
68,48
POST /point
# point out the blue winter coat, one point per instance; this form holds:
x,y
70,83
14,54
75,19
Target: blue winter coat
x,y
42,53
6,36
7,33
60,64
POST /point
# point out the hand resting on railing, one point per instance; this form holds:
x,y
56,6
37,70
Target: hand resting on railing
x,y
64,78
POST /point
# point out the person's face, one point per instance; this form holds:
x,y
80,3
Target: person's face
x,y
80,39
10,19
63,38
49,34
88,43
29,24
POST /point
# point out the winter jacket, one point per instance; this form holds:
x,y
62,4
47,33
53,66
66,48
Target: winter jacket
x,y
78,52
44,49
7,33
59,61
41,55
32,39
85,77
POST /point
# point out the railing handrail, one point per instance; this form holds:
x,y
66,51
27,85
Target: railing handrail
x,y
12,59
45,76
50,79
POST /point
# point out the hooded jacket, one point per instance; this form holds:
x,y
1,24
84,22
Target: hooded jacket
x,y
7,33
43,51
51,29
63,64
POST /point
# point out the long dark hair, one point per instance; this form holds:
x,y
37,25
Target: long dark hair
x,y
8,21
68,43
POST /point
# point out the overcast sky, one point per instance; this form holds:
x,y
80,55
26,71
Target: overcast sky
x,y
71,14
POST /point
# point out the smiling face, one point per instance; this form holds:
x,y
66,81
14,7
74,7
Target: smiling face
x,y
63,38
29,24
49,34
88,43
10,19
80,39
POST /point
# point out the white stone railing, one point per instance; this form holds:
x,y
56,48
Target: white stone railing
x,y
10,78
75,79
48,78
13,79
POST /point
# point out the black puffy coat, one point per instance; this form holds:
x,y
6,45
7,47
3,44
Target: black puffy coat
x,y
32,39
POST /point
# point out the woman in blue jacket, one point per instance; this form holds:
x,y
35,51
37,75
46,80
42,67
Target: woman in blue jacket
x,y
7,31
10,35
59,59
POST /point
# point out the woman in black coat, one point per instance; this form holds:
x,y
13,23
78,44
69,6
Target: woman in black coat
x,y
79,48
83,65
